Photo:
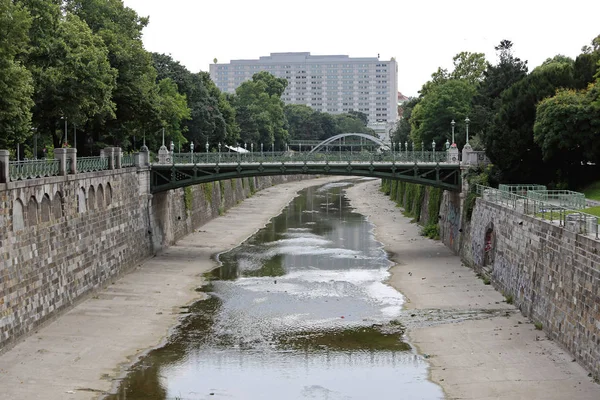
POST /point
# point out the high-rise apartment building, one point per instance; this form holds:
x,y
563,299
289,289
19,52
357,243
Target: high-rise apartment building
x,y
334,84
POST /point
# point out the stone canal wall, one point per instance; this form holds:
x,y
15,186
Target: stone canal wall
x,y
178,212
62,238
550,273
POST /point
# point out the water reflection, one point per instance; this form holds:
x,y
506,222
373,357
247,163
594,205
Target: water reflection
x,y
298,311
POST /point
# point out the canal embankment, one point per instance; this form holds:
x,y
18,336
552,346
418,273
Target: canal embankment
x,y
481,347
83,354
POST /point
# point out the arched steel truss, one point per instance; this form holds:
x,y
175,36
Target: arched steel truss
x,y
332,139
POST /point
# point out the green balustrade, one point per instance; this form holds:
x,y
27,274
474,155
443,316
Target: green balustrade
x,y
31,169
90,164
294,157
127,160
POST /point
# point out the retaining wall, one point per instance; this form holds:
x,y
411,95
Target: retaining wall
x,y
62,238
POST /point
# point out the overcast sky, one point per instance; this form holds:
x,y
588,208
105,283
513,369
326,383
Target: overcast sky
x,y
422,34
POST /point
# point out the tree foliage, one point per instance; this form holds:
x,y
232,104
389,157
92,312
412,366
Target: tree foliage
x,y
16,84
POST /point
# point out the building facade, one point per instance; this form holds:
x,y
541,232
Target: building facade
x,y
334,84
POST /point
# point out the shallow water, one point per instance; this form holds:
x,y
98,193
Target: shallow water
x,y
298,311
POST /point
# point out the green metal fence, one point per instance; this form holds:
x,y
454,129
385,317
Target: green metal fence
x,y
127,160
572,219
90,164
331,157
520,189
563,198
30,169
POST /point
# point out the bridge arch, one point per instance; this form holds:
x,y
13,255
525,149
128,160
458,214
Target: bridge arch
x,y
332,139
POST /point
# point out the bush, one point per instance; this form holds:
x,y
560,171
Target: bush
x,y
431,231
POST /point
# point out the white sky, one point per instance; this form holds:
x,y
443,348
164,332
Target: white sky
x,y
422,34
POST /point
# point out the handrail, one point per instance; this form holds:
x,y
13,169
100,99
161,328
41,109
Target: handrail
x,y
30,169
91,164
294,157
572,219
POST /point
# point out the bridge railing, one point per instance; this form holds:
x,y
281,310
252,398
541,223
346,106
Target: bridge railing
x,y
575,220
31,169
292,157
66,162
90,164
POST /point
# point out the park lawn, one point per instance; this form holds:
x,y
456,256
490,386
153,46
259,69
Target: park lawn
x,y
592,191
556,215
592,210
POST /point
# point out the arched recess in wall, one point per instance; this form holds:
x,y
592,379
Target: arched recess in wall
x,y
32,212
489,246
81,203
100,197
18,220
57,211
91,199
108,194
46,208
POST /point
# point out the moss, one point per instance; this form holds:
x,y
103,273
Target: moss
x,y
431,231
363,338
385,186
252,188
222,188
187,198
208,191
433,208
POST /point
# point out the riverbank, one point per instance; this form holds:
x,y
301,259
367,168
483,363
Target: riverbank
x,y
492,353
82,354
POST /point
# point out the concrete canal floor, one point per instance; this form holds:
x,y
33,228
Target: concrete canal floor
x,y
478,346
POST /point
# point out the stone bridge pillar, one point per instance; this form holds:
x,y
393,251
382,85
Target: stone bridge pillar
x,y
118,155
61,156
71,155
4,164
142,159
108,152
453,154
164,155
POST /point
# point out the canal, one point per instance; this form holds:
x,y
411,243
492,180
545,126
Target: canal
x,y
298,311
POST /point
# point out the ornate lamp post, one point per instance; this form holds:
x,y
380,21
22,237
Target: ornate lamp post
x,y
433,148
219,146
192,151
453,123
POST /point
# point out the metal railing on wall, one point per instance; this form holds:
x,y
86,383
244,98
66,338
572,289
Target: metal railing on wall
x,y
31,169
572,219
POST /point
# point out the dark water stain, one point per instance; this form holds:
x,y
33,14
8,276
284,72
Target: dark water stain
x,y
361,338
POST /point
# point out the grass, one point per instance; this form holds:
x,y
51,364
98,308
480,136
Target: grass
x,y
509,299
538,326
555,214
592,191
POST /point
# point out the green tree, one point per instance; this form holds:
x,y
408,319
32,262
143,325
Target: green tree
x,y
259,111
72,75
136,93
430,118
469,66
173,110
510,143
497,78
403,128
16,84
566,129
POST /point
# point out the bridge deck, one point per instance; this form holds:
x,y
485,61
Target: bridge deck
x,y
432,172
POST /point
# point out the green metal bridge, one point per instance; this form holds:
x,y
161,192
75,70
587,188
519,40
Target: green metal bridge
x,y
427,168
